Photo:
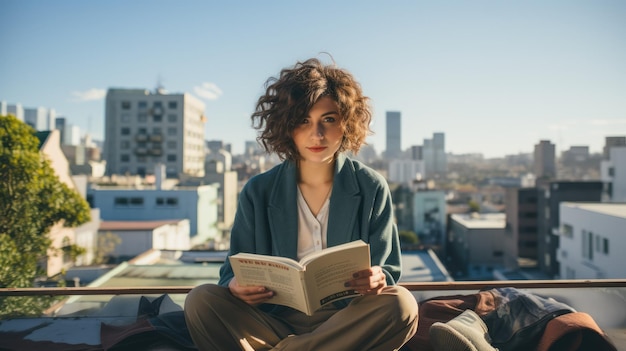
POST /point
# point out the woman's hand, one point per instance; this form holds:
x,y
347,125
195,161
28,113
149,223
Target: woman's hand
x,y
369,281
252,295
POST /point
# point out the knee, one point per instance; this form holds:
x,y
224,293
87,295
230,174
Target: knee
x,y
404,305
200,296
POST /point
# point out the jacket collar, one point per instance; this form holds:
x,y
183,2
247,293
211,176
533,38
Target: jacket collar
x,y
283,210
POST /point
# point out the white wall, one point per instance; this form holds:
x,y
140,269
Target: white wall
x,y
587,259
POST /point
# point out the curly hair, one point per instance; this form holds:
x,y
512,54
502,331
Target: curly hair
x,y
288,99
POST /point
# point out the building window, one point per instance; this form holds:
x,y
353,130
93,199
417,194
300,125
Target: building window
x,y
567,231
172,105
121,201
168,202
125,105
136,201
171,144
172,118
142,105
125,158
157,118
142,117
125,145
171,158
125,131
605,246
587,245
125,117
171,131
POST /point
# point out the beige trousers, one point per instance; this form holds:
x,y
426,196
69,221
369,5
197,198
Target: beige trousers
x,y
218,321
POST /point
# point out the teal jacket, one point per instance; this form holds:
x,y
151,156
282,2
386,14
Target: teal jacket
x,y
266,221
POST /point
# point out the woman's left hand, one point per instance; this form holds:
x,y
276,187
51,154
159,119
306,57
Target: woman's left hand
x,y
369,281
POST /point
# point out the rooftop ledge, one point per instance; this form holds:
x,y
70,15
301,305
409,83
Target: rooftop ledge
x,y
416,286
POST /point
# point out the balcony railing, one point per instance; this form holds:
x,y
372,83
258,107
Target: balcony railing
x,y
416,286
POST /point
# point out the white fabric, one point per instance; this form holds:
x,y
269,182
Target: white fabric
x,y
311,229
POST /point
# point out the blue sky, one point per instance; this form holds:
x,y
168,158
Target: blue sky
x,y
495,76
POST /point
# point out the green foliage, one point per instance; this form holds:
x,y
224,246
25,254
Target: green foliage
x,y
32,200
408,237
473,206
106,244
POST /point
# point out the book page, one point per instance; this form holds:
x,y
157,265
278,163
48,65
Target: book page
x,y
284,280
325,276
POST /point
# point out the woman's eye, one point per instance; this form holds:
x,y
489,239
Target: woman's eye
x,y
329,119
304,121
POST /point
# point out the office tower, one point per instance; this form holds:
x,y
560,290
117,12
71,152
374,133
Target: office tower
x,y
143,129
549,200
545,160
610,142
434,153
40,118
3,108
613,174
16,110
394,142
521,226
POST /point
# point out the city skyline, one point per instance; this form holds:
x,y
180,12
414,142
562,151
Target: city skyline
x,y
496,78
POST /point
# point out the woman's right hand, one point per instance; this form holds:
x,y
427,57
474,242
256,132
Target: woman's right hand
x,y
252,295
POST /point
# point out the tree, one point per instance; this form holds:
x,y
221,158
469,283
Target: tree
x,y
473,206
408,237
106,245
32,200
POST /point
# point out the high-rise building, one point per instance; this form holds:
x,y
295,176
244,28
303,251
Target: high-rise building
x,y
521,226
143,129
610,142
545,160
434,153
393,134
613,173
16,110
549,200
40,118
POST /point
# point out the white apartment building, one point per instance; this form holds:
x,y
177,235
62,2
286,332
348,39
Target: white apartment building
x,y
592,241
405,171
429,216
40,118
198,204
613,173
143,129
140,236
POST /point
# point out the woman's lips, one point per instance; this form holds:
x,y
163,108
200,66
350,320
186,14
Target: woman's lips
x,y
317,148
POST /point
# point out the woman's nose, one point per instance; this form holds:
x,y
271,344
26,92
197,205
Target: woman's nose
x,y
318,131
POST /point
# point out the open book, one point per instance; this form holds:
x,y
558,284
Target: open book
x,y
318,279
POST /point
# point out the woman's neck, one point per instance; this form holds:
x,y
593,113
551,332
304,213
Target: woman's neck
x,y
314,174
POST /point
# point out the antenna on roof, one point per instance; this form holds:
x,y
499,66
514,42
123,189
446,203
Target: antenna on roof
x,y
159,86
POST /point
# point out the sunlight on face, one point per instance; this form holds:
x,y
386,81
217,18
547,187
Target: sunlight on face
x,y
318,135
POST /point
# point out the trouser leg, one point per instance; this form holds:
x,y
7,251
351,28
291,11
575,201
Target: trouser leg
x,y
219,321
374,322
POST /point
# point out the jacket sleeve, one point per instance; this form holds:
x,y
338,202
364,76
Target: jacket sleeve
x,y
383,234
241,235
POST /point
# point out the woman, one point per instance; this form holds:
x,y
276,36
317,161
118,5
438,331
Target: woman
x,y
316,198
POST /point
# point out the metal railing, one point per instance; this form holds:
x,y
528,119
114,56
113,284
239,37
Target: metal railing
x,y
412,286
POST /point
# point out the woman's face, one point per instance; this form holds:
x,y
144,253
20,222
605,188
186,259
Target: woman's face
x,y
318,135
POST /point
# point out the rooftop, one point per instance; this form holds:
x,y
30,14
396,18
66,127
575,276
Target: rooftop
x,y
113,307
